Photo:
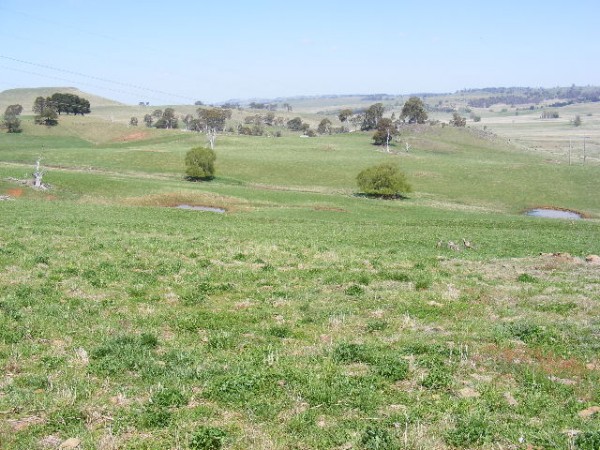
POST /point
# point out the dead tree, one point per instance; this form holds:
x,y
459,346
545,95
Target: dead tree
x,y
38,174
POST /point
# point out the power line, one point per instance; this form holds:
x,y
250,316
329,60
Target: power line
x,y
105,80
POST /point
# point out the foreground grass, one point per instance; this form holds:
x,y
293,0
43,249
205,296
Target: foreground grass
x,y
305,317
140,327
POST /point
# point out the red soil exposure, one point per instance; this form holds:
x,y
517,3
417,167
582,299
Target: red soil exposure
x,y
139,135
15,192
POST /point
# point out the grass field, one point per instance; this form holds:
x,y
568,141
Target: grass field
x,y
306,316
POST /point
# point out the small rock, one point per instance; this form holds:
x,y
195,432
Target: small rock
x,y
70,444
589,412
592,259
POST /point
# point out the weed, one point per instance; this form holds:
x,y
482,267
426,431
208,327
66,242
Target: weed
x,y
167,397
207,438
422,284
376,438
391,368
354,290
154,417
280,331
588,441
526,278
350,353
376,325
468,432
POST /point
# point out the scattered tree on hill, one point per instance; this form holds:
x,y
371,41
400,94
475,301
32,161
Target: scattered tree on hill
x,y
324,126
385,133
577,121
200,164
457,120
383,180
11,121
295,124
372,117
198,103
414,111
45,112
148,120
133,122
212,119
344,115
167,120
287,107
157,113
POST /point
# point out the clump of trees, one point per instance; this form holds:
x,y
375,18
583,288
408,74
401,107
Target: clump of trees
x,y
384,180
549,115
200,164
11,120
48,109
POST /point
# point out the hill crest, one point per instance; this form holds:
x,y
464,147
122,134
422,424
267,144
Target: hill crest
x,y
26,96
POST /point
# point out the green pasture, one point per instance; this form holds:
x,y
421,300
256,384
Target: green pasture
x,y
305,317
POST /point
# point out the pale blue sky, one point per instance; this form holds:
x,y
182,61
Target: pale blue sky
x,y
182,51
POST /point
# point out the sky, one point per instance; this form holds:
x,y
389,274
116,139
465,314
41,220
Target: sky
x,y
183,51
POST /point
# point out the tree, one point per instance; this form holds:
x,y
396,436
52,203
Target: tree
x,y
372,117
324,126
213,118
148,120
200,163
70,104
295,124
344,115
11,121
385,133
167,119
48,117
577,121
133,122
413,111
38,105
383,180
457,120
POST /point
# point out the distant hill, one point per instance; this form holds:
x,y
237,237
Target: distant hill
x,y
26,96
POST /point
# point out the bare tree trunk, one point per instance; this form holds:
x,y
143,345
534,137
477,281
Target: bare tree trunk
x,y
212,137
38,174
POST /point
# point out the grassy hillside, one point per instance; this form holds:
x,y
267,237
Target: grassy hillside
x,y
26,96
306,316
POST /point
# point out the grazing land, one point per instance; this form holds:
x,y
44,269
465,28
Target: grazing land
x,y
307,316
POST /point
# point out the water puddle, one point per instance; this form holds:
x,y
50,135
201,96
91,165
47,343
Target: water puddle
x,y
202,208
553,213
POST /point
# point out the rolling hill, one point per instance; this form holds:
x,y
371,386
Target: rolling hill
x,y
26,97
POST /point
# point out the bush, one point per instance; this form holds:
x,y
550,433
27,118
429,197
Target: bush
x,y
200,164
384,180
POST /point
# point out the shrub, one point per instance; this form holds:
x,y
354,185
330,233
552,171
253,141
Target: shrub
x,y
200,164
384,180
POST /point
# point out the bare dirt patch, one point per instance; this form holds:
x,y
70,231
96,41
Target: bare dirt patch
x,y
15,192
137,136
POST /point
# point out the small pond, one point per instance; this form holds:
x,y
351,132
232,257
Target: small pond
x,y
202,208
553,213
